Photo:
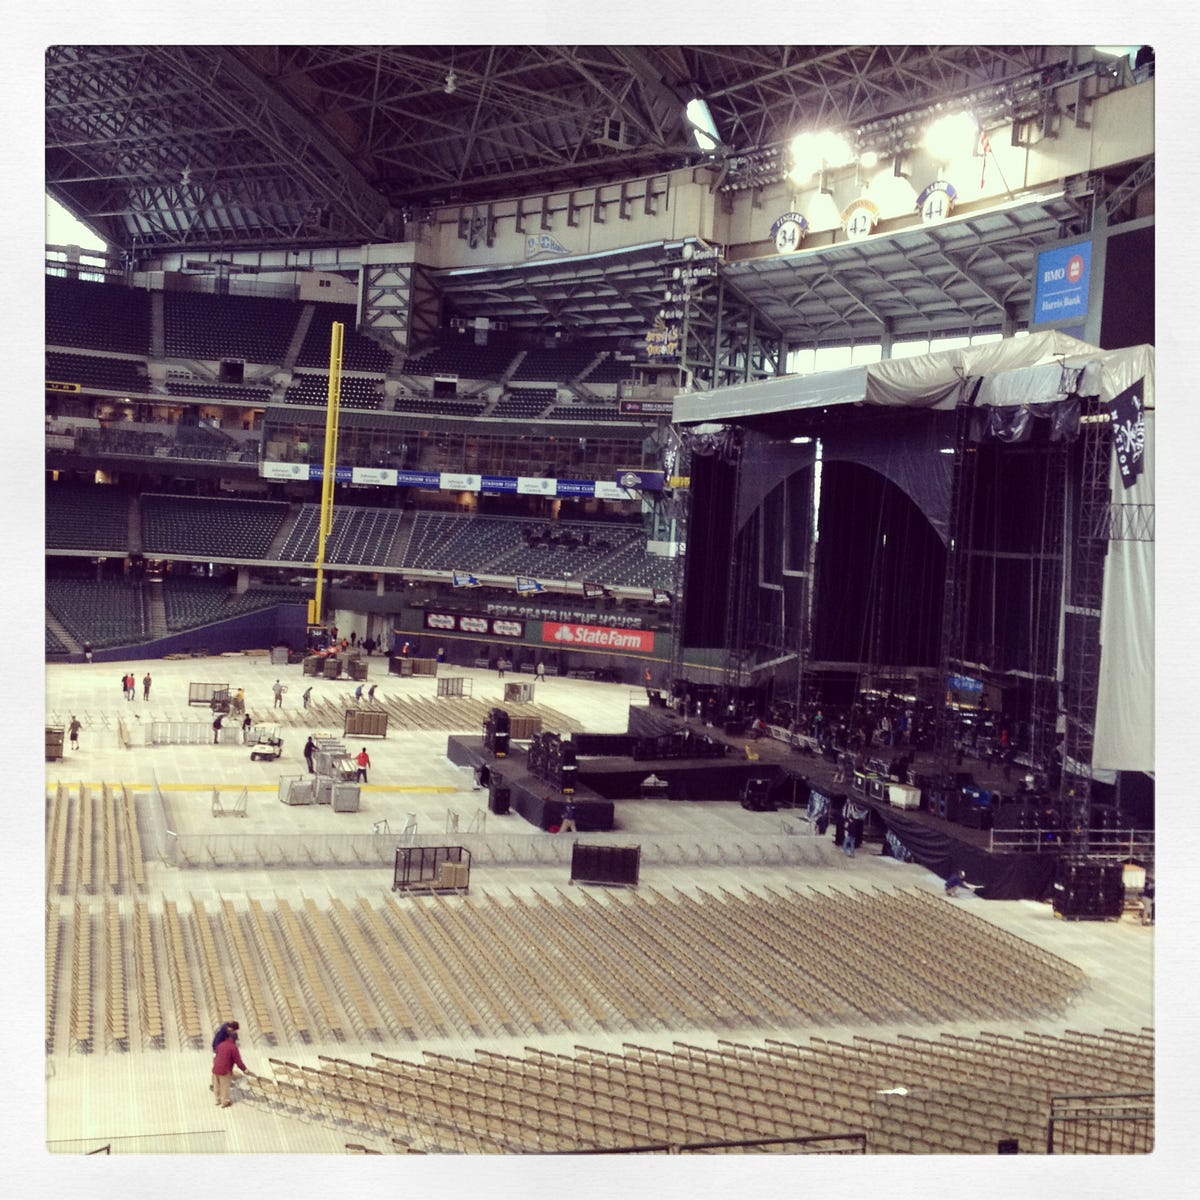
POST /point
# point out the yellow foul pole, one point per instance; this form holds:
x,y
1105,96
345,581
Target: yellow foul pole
x,y
317,616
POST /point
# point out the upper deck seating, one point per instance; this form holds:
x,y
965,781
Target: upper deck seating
x,y
97,316
255,329
219,529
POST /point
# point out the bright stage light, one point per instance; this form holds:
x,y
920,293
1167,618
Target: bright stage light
x,y
952,137
811,151
868,160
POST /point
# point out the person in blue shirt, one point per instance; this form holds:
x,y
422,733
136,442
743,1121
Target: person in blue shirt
x,y
954,882
223,1031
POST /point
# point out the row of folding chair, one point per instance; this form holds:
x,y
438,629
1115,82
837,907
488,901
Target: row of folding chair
x,y
186,1010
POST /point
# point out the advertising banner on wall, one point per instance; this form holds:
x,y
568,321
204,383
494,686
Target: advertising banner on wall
x,y
505,627
283,470
1060,290
610,491
598,637
645,481
383,476
533,486
460,483
658,408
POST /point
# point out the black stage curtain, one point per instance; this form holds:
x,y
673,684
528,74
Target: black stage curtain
x,y
992,876
710,549
880,573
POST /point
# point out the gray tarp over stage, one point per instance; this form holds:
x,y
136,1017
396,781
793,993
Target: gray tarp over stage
x,y
923,381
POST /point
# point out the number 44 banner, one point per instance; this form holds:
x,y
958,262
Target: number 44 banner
x,y
1129,431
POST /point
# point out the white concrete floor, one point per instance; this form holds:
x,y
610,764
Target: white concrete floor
x,y
141,1093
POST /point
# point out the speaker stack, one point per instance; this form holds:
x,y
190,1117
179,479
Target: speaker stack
x,y
553,759
495,731
499,794
1089,891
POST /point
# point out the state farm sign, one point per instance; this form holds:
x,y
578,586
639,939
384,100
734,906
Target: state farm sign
x,y
598,637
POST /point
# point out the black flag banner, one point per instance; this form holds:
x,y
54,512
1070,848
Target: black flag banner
x,y
1129,431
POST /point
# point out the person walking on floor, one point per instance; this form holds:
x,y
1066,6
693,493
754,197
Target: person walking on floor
x,y
363,759
87,652
371,691
309,750
358,693
225,1058
146,686
540,672
225,1030
217,727
73,730
247,721
854,832
306,697
278,689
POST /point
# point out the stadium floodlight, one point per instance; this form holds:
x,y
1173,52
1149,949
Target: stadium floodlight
x,y
704,128
952,137
813,152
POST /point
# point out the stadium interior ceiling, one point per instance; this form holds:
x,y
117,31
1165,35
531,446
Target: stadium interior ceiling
x,y
227,152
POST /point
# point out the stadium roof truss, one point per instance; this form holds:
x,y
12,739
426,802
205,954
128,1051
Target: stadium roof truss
x,y
174,147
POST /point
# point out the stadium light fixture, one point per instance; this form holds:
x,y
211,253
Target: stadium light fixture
x,y
704,128
952,137
812,152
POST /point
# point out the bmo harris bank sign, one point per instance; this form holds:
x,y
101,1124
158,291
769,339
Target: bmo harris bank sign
x,y
598,637
1060,292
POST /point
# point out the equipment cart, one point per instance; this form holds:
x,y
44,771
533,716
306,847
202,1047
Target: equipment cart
x,y
267,743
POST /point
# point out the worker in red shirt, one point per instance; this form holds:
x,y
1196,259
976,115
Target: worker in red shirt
x,y
224,1060
364,761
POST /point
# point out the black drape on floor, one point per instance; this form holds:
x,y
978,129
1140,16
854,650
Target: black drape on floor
x,y
992,876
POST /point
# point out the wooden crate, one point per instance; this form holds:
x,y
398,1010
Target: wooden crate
x,y
523,728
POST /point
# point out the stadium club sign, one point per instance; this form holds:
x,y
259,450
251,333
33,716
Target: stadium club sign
x,y
596,637
505,627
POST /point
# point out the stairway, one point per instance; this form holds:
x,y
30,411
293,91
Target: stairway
x,y
285,529
60,631
158,327
134,525
298,336
156,607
